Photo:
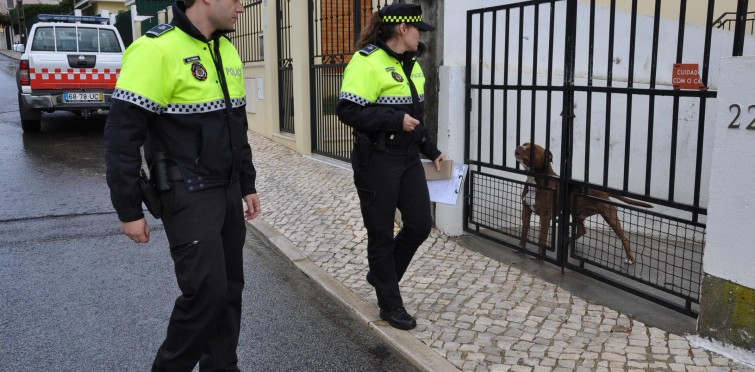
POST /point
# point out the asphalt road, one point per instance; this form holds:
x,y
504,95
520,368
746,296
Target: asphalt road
x,y
76,295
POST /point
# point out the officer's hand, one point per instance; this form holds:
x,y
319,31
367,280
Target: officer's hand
x,y
252,207
438,160
138,230
410,123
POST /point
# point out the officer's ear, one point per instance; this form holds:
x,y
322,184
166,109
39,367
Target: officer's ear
x,y
403,28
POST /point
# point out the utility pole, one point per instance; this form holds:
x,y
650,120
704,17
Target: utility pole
x,y
21,22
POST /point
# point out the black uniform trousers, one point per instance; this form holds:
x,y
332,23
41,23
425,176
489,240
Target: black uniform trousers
x,y
206,232
391,181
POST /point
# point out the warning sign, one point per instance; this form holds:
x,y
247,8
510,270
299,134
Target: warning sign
x,y
687,76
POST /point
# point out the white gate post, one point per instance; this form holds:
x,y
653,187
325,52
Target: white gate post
x,y
727,296
450,218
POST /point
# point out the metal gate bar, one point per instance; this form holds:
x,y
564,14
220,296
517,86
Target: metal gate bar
x,y
285,68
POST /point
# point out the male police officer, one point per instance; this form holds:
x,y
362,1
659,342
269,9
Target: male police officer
x,y
181,95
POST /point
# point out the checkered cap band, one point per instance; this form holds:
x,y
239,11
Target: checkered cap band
x,y
138,100
401,19
354,98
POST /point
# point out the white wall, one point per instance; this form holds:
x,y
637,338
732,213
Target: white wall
x,y
454,55
729,252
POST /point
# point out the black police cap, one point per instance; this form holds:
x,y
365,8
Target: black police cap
x,y
405,13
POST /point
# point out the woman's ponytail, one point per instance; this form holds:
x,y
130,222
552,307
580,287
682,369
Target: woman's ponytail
x,y
376,30
369,34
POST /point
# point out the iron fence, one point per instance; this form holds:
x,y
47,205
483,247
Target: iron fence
x,y
248,36
599,95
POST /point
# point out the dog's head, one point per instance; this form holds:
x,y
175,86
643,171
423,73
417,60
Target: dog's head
x,y
528,154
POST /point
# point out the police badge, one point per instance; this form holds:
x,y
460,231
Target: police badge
x,y
397,76
199,72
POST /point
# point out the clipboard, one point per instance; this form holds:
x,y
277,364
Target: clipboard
x,y
447,191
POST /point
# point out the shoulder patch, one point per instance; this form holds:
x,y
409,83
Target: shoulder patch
x,y
368,49
159,30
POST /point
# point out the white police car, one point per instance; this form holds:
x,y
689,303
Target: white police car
x,y
69,63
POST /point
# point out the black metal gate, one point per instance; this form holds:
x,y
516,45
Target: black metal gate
x,y
285,68
599,95
335,26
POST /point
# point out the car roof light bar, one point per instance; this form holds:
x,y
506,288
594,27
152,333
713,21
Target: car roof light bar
x,y
71,18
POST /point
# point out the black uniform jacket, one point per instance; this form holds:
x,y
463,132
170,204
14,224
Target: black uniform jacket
x,y
209,147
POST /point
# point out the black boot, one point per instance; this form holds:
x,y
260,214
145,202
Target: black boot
x,y
398,318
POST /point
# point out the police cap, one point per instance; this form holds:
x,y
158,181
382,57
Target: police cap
x,y
404,13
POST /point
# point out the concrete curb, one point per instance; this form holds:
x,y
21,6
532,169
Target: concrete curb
x,y
411,348
11,54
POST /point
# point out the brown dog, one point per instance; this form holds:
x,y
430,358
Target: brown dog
x,y
540,201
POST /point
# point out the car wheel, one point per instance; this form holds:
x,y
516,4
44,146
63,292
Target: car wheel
x,y
31,126
31,119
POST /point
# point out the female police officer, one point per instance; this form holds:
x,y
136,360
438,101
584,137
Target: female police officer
x,y
382,100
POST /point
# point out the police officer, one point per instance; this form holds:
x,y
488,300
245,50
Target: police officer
x,y
382,99
180,95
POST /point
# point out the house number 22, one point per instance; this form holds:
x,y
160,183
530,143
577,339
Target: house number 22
x,y
735,123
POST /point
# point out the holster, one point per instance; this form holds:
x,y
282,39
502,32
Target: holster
x,y
149,195
362,148
159,170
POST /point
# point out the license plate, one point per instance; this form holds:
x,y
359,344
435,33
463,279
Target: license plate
x,y
83,97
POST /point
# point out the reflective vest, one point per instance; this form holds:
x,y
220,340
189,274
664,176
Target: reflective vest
x,y
375,77
187,81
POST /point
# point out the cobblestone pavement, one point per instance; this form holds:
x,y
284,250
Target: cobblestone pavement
x,y
477,313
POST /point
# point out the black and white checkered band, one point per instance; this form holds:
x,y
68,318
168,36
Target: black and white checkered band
x,y
192,108
402,19
175,108
386,100
354,98
138,100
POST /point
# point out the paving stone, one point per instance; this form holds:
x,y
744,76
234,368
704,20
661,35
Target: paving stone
x,y
696,369
548,362
701,361
613,357
699,353
520,368
567,363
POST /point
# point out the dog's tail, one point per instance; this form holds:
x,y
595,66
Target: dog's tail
x,y
631,201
